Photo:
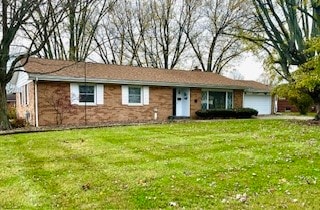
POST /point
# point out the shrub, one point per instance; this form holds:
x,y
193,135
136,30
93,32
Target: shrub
x,y
246,112
215,113
18,123
296,97
226,113
12,112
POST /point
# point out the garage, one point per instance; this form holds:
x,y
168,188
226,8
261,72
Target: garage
x,y
258,101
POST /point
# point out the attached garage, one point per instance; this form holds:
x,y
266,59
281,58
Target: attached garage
x,y
257,96
261,102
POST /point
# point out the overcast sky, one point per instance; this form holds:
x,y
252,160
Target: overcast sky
x,y
251,68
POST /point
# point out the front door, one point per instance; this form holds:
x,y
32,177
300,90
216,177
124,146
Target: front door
x,y
183,102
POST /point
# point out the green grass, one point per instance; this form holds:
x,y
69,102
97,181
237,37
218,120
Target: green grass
x,y
227,164
311,114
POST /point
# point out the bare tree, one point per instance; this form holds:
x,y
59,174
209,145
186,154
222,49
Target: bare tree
x,y
166,39
15,22
146,33
115,34
84,18
269,78
234,74
214,38
73,37
162,33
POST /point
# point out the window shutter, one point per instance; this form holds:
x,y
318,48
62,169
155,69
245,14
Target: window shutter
x,y
145,95
74,93
100,93
125,94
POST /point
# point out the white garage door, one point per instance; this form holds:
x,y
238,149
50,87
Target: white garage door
x,y
261,103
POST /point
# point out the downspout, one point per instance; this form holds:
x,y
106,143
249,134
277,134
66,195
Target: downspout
x,y
36,102
85,103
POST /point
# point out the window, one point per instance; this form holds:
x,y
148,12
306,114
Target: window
x,y
217,100
24,95
211,99
229,100
134,95
204,100
86,94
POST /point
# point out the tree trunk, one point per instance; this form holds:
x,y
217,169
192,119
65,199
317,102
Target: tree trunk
x,y
72,14
318,111
5,125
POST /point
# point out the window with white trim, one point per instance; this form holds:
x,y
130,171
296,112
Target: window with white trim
x,y
24,95
212,99
135,95
86,94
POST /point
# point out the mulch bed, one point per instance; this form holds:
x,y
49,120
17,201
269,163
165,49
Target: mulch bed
x,y
70,127
31,129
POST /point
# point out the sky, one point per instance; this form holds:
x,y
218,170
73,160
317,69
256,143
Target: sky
x,y
250,67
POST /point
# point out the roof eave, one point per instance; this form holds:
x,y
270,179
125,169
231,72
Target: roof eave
x,y
41,77
251,90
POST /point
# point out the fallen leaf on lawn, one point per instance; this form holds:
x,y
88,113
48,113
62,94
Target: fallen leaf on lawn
x,y
242,197
174,204
86,187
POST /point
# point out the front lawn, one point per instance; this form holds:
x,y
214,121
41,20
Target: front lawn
x,y
310,114
226,164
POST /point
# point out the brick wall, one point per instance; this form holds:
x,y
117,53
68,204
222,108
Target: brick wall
x,y
238,99
284,105
195,101
47,96
160,102
23,109
112,110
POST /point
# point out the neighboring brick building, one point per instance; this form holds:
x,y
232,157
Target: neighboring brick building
x,y
283,105
67,92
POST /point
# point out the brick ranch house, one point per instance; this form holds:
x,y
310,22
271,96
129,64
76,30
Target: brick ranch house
x,y
51,92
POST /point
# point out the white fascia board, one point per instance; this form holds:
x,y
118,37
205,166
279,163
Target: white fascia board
x,y
42,77
257,93
255,90
250,90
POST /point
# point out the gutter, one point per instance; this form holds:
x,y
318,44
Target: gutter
x,y
130,82
250,90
